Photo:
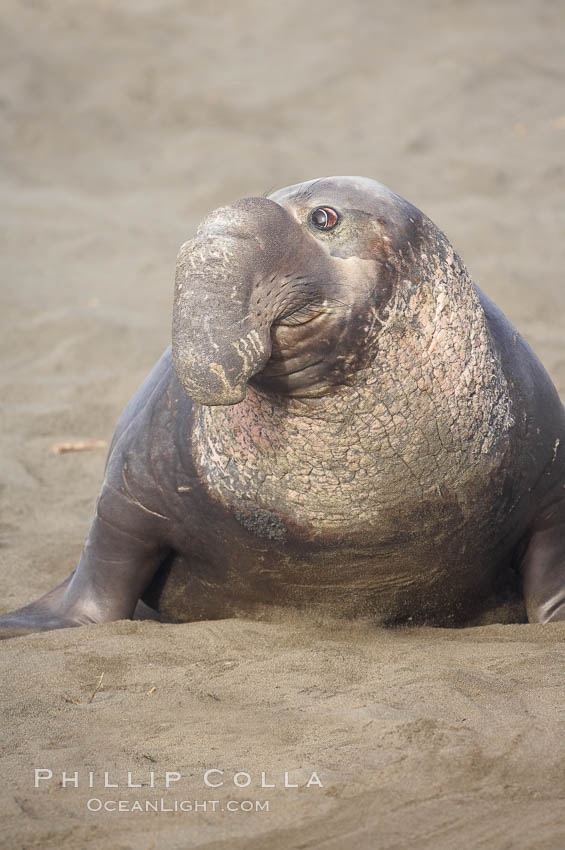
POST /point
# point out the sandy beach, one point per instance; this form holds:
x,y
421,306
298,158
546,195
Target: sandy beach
x,y
123,124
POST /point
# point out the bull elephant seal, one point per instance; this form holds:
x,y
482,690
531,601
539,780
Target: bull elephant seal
x,y
344,423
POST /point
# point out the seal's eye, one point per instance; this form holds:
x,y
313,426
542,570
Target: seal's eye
x,y
324,218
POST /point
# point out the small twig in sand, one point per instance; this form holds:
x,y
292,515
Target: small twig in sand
x,y
70,699
78,446
150,691
90,698
96,689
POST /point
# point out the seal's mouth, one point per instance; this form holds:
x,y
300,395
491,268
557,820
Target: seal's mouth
x,y
271,371
304,349
303,315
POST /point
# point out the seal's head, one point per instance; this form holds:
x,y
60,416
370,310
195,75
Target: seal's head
x,y
290,291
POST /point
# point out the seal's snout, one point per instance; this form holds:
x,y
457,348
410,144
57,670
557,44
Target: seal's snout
x,y
215,373
248,218
219,340
213,388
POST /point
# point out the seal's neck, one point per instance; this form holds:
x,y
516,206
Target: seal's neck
x,y
424,417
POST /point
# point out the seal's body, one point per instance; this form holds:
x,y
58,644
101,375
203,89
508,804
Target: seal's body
x,y
345,422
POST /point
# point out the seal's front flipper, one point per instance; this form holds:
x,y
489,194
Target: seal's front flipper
x,y
128,540
118,562
124,548
543,568
37,616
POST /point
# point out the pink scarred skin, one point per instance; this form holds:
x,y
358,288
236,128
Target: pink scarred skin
x,y
345,423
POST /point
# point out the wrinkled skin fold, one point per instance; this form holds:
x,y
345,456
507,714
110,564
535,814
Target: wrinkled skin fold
x,y
344,423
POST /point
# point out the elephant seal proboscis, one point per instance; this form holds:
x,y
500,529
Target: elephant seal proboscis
x,y
344,423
